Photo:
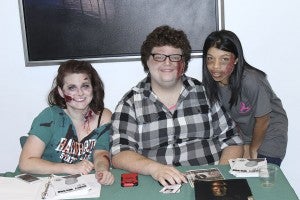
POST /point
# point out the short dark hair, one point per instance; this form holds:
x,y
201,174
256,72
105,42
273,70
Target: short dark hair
x,y
166,36
77,67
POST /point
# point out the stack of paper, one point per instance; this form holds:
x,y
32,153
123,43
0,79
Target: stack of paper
x,y
69,186
14,189
85,186
246,167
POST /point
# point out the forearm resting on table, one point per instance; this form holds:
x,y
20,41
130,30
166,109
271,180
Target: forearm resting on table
x,y
40,166
134,162
101,160
231,152
31,159
102,167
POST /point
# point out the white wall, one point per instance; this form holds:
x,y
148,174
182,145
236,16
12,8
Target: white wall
x,y
269,31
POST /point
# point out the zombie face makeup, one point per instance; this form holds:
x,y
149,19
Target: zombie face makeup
x,y
67,98
220,64
77,91
180,69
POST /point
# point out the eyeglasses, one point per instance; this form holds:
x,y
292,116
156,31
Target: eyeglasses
x,y
162,57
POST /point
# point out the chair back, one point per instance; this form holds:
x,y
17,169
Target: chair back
x,y
23,140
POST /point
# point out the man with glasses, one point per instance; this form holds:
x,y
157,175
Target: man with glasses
x,y
166,120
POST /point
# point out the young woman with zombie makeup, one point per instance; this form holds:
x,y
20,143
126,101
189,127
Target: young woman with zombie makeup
x,y
246,94
71,136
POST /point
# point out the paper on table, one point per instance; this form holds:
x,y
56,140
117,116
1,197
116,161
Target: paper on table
x,y
14,189
89,179
242,167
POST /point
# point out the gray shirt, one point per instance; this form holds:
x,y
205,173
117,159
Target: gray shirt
x,y
257,99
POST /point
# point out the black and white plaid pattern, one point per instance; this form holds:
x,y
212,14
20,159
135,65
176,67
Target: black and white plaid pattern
x,y
194,134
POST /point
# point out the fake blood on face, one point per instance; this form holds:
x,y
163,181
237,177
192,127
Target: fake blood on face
x,y
68,98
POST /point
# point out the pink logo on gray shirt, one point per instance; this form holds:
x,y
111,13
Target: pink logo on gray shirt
x,y
244,108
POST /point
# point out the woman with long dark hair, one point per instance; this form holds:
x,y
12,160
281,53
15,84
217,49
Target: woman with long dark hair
x,y
246,94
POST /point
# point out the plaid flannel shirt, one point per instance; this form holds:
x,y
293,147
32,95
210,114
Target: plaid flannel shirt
x,y
194,134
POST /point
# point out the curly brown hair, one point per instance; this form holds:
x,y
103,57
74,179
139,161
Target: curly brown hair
x,y
166,36
78,67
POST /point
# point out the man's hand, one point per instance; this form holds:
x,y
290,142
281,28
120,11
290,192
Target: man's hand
x,y
167,175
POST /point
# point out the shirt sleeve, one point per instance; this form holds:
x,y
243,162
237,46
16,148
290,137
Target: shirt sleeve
x,y
224,127
257,90
263,103
42,126
124,129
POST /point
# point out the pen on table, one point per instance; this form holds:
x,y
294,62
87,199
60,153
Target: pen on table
x,y
47,185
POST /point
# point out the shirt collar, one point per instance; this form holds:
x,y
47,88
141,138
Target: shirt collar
x,y
145,85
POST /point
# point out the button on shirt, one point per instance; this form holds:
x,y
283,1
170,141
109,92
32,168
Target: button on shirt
x,y
193,134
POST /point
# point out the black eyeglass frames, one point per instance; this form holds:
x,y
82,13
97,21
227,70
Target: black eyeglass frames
x,y
162,57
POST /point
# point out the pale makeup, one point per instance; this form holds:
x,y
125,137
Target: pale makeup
x,y
166,73
220,64
77,90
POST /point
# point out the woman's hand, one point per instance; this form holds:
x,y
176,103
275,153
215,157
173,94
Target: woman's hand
x,y
246,151
105,177
253,152
102,163
82,167
250,152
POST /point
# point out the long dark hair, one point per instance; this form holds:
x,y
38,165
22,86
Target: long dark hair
x,y
227,41
78,67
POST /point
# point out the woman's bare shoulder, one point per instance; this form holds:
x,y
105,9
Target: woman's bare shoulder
x,y
106,116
